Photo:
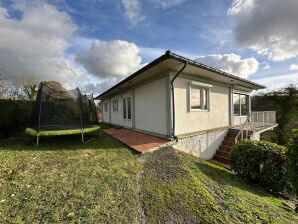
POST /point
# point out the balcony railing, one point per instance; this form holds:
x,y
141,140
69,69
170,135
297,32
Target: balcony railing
x,y
257,121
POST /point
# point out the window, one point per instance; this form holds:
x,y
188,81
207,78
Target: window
x,y
115,105
236,103
199,98
241,104
106,107
128,108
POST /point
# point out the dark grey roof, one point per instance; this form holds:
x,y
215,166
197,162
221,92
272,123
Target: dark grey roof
x,y
168,55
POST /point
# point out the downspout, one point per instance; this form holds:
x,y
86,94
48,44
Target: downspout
x,y
173,100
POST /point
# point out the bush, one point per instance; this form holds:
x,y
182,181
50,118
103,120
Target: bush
x,y
260,162
292,158
15,116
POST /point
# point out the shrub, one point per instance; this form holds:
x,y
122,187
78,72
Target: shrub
x,y
15,116
292,158
260,162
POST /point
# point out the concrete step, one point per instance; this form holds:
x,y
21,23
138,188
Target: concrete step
x,y
232,135
229,139
225,165
225,148
223,153
228,143
224,159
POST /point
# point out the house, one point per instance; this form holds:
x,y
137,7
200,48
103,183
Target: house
x,y
177,98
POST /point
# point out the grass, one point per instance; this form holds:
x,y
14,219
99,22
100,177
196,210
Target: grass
x,y
179,188
64,181
68,183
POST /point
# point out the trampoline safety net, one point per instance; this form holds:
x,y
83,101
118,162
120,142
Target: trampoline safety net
x,y
63,110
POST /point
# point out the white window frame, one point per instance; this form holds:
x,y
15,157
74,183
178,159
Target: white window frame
x,y
201,86
117,109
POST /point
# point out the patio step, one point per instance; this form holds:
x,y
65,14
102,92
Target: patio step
x,y
221,158
222,155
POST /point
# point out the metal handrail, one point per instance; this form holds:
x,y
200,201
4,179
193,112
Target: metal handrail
x,y
256,119
242,128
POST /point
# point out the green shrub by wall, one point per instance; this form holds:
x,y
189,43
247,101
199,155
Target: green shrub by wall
x,y
14,116
260,162
292,159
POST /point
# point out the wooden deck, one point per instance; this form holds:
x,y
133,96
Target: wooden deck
x,y
138,141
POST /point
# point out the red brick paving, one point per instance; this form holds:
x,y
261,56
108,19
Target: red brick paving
x,y
135,140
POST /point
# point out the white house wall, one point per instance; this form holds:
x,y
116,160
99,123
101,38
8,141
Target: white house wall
x,y
203,145
150,107
194,121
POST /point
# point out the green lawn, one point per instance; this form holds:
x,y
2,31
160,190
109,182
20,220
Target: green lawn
x,y
63,181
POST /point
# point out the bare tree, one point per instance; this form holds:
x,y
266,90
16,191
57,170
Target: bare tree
x,y
15,91
30,86
5,85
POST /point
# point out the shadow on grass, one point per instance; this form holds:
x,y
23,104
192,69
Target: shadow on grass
x,y
225,177
63,142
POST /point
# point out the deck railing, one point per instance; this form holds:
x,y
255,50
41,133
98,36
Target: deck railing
x,y
256,120
263,117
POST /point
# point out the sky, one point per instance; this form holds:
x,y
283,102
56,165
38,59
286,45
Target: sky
x,y
96,43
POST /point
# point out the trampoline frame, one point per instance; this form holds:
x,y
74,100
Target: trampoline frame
x,y
37,134
70,130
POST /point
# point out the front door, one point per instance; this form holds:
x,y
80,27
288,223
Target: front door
x,y
127,110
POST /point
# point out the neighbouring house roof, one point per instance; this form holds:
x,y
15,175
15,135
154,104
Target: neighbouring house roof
x,y
178,58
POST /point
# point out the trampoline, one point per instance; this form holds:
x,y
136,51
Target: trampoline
x,y
62,112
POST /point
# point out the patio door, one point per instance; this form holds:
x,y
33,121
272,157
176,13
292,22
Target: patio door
x,y
127,110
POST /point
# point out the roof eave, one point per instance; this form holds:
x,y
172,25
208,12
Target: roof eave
x,y
168,54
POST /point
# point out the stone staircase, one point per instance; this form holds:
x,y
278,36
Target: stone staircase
x,y
221,157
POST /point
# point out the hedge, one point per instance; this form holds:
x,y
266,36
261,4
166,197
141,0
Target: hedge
x,y
14,116
292,157
261,162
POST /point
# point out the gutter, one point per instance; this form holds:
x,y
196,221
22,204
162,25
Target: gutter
x,y
173,101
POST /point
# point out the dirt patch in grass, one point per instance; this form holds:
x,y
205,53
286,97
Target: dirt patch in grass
x,y
165,163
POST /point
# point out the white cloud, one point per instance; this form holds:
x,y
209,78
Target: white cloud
x,y
133,11
231,63
294,67
110,59
268,27
278,81
35,43
267,67
168,3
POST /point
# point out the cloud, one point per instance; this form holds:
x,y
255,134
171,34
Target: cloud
x,y
231,63
267,67
280,81
132,11
110,59
35,43
168,3
99,86
268,27
294,67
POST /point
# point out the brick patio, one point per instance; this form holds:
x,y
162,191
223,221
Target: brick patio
x,y
136,140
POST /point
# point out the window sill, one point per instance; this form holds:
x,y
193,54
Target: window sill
x,y
198,110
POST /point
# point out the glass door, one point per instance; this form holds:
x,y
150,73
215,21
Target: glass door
x,y
127,110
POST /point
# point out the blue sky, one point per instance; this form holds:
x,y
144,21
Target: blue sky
x,y
74,41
